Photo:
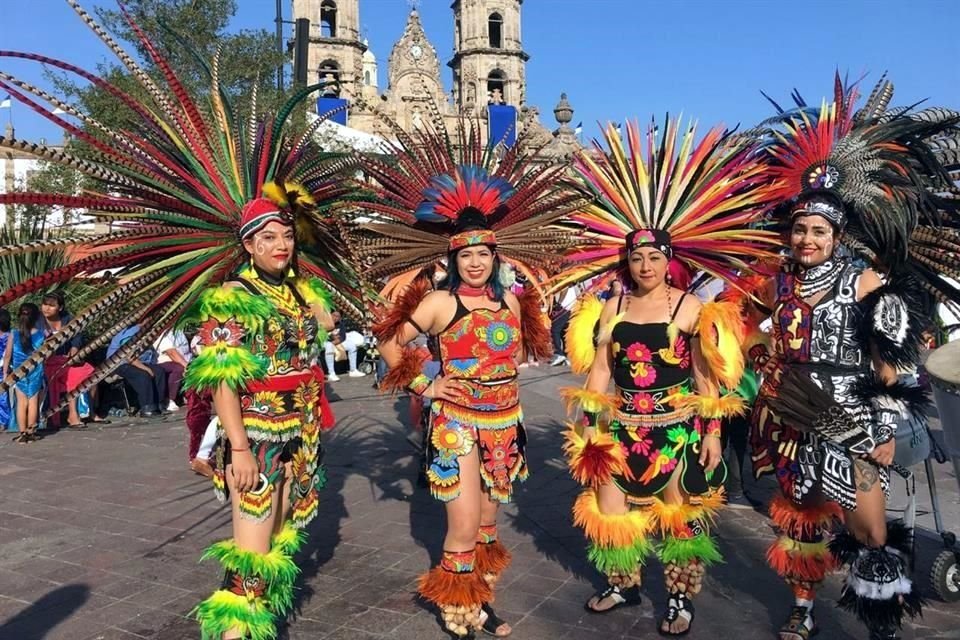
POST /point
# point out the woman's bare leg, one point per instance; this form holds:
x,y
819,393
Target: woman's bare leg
x,y
674,494
612,501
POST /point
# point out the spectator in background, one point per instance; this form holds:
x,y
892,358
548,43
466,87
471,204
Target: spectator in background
x,y
4,367
173,355
345,337
60,378
24,340
560,318
142,373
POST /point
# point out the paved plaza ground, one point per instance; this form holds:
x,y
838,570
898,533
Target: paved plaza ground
x,y
101,532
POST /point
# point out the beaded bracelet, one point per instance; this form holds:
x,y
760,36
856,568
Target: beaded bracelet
x,y
419,384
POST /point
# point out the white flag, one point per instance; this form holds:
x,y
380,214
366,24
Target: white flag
x,y
5,103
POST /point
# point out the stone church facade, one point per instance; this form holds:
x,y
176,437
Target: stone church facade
x,y
488,66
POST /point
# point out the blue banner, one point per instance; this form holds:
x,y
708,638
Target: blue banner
x,y
326,105
503,124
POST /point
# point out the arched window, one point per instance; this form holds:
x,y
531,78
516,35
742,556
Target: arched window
x,y
497,87
328,19
330,77
366,77
495,27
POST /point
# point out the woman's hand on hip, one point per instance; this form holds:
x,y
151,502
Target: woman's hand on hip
x,y
443,388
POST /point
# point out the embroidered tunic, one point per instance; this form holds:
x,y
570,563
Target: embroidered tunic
x,y
821,340
478,348
264,341
657,436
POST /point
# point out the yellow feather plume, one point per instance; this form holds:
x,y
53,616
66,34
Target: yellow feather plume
x,y
721,337
288,194
609,530
581,349
585,400
707,407
606,332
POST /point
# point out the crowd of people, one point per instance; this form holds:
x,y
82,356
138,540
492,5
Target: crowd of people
x,y
706,284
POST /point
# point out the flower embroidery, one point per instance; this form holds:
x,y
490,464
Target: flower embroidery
x,y
498,336
643,237
643,403
638,352
643,374
682,351
221,334
641,447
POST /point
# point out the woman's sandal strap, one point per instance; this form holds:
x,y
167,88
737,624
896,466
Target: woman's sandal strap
x,y
796,624
492,622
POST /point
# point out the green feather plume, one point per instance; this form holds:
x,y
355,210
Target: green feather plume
x,y
619,560
681,551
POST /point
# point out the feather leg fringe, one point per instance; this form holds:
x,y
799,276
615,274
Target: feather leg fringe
x,y
224,611
606,530
620,560
725,406
446,588
809,561
681,551
492,557
805,522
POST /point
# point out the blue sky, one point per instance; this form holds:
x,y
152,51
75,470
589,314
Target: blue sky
x,y
621,58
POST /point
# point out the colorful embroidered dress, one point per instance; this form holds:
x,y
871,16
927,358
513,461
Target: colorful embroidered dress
x,y
263,340
656,436
478,349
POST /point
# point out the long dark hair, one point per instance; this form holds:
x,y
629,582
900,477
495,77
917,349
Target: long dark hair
x,y
29,317
60,300
453,281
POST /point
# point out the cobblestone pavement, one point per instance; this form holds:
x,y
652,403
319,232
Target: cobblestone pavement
x,y
101,531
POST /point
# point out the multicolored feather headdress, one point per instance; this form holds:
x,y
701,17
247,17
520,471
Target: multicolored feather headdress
x,y
889,172
437,193
702,202
172,188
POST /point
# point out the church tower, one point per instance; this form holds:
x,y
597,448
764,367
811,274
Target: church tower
x,y
489,63
336,52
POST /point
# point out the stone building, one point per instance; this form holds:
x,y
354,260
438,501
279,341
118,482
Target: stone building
x,y
488,71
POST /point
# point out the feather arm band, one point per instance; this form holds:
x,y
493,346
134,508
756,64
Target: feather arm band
x,y
533,329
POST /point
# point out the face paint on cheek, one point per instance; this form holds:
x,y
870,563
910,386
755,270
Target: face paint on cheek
x,y
259,246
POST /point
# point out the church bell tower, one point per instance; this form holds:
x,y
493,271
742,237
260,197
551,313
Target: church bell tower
x,y
335,54
489,63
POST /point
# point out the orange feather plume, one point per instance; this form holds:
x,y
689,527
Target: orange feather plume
x,y
492,557
606,530
594,461
409,367
721,334
402,310
809,561
533,328
803,522
586,400
446,588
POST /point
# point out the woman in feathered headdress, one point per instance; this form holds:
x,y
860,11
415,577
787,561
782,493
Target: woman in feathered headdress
x,y
858,198
453,200
197,197
650,453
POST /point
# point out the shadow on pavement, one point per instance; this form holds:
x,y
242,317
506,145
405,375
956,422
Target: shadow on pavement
x,y
45,613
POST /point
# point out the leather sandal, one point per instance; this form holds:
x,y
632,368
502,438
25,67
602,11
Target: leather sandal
x,y
795,628
678,604
492,622
621,598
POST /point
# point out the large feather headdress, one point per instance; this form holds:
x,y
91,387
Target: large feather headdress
x,y
430,186
172,187
890,170
707,195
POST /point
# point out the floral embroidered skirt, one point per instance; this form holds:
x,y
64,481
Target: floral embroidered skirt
x,y
654,453
499,438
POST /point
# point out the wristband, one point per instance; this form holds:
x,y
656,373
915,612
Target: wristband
x,y
713,428
419,384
